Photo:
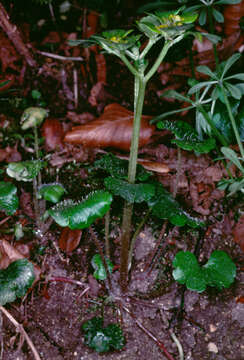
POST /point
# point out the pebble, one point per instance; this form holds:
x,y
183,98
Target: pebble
x,y
212,347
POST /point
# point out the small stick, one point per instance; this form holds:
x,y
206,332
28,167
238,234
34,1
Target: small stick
x,y
4,220
107,245
22,331
1,336
60,57
146,331
66,280
75,80
178,344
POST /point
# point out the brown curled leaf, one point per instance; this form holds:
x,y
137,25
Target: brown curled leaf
x,y
52,131
69,239
112,129
232,15
238,232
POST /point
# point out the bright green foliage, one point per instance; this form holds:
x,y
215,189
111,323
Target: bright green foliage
x,y
25,170
219,271
103,339
100,271
51,192
164,206
9,201
82,214
168,24
130,192
118,168
15,280
32,116
112,41
186,137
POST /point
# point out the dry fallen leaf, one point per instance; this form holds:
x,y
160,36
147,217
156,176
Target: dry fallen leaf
x,y
112,129
10,254
53,133
69,239
238,232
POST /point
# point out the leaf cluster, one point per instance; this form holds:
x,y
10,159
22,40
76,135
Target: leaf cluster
x,y
219,271
103,339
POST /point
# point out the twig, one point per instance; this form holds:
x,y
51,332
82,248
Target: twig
x,y
178,171
178,344
75,81
162,232
4,220
1,336
107,245
146,331
14,35
67,280
60,57
133,240
22,331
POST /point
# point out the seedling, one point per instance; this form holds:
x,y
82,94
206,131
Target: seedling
x,y
219,271
103,339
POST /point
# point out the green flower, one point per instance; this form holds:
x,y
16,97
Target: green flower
x,y
166,24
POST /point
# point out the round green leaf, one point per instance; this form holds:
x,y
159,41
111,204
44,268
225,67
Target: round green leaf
x,y
25,170
33,116
220,271
51,192
9,201
15,280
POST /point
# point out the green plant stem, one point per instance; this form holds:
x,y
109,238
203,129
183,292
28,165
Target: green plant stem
x,y
133,240
147,48
107,245
233,122
141,84
125,245
128,64
211,26
160,58
212,125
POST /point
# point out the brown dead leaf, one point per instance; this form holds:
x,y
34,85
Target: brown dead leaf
x,y
10,254
112,129
238,232
53,133
8,54
232,15
69,239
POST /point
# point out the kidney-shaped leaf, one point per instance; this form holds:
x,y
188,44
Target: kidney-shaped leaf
x,y
164,206
186,136
119,167
15,280
187,271
130,192
112,129
9,201
51,192
220,270
82,214
25,170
